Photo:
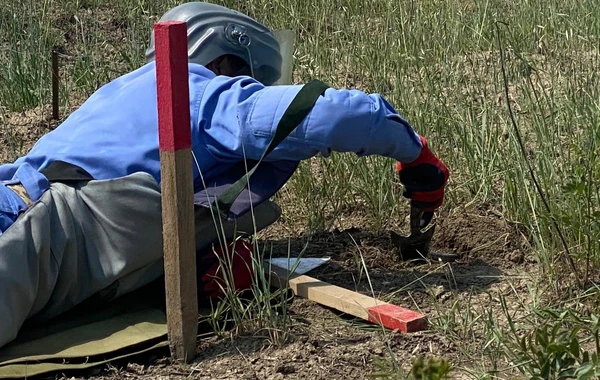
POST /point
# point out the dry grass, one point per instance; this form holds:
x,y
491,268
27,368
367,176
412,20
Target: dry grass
x,y
439,64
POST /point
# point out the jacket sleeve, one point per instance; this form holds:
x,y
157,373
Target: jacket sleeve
x,y
245,114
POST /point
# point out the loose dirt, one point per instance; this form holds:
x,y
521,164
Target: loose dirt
x,y
326,344
20,130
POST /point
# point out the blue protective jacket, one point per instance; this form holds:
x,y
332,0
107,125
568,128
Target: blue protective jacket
x,y
115,132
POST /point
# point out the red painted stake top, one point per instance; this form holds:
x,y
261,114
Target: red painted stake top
x,y
397,318
170,40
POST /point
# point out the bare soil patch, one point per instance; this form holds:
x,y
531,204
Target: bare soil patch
x,y
325,343
20,130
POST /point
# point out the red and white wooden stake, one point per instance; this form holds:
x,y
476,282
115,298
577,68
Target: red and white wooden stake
x,y
176,187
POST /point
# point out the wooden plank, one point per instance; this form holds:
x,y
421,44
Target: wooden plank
x,y
350,302
177,188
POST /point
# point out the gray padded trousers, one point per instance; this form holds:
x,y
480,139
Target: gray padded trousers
x,y
79,240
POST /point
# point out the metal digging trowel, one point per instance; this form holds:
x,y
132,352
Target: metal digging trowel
x,y
415,247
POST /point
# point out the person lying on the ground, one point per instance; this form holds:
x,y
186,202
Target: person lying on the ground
x,y
80,213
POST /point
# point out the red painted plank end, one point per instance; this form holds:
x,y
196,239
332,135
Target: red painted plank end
x,y
397,318
172,85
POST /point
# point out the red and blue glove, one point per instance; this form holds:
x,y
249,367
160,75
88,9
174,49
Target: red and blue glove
x,y
424,179
210,270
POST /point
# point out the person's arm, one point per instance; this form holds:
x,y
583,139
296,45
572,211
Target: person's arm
x,y
245,116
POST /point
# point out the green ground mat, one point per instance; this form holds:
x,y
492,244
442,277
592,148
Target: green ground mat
x,y
89,336
95,333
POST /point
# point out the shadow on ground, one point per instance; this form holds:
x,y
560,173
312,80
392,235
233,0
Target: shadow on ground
x,y
369,263
325,343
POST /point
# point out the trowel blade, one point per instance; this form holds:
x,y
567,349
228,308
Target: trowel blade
x,y
415,246
300,266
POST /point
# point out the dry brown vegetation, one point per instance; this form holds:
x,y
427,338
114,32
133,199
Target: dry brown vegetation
x,y
440,64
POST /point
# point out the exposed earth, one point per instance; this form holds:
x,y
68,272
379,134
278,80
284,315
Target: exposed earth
x,y
324,344
328,345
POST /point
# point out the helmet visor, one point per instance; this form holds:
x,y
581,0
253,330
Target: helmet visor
x,y
270,54
286,39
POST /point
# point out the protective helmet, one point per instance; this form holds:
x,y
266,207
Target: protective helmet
x,y
214,30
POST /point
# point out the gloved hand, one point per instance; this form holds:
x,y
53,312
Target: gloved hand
x,y
424,179
210,270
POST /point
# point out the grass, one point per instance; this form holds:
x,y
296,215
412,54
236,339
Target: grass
x,y
441,64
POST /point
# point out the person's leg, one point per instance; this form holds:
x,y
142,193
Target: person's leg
x,y
101,238
74,242
27,270
116,232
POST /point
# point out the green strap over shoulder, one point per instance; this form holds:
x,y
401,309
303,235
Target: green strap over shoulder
x,y
298,109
